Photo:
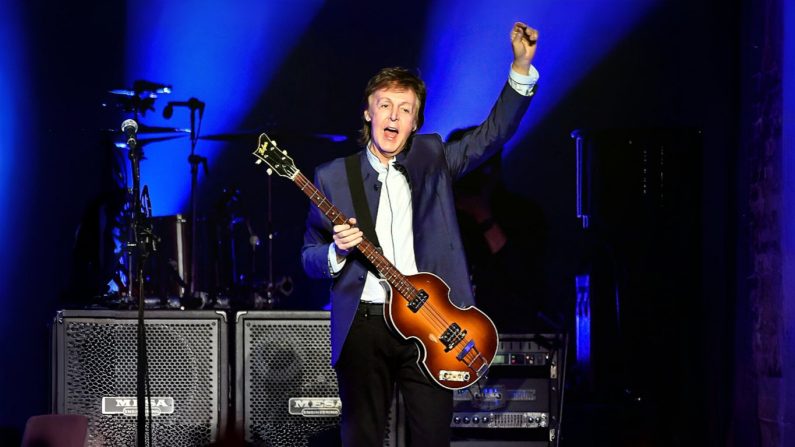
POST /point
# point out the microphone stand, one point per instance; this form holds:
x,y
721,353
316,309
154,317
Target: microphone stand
x,y
141,246
270,296
194,160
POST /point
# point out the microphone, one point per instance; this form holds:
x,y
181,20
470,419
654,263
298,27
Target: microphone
x,y
130,127
402,169
193,104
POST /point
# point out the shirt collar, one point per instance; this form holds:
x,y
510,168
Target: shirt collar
x,y
375,162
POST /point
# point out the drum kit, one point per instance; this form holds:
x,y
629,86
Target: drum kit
x,y
184,260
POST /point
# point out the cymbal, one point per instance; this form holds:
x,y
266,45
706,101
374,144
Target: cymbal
x,y
144,129
248,135
146,140
128,101
140,99
232,136
122,92
148,88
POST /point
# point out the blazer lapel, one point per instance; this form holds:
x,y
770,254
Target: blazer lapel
x,y
411,175
372,187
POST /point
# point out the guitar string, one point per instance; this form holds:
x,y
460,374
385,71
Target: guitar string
x,y
472,355
463,343
406,289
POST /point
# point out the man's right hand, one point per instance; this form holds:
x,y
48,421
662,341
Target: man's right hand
x,y
524,42
346,237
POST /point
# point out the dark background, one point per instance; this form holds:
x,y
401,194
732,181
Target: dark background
x,y
686,69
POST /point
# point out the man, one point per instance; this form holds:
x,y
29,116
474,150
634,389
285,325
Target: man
x,y
406,181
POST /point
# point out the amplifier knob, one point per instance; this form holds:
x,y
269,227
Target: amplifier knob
x,y
485,419
466,420
457,420
476,419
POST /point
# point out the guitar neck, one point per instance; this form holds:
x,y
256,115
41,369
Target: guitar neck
x,y
387,270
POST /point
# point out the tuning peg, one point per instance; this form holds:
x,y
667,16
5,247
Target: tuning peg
x,y
258,162
284,152
269,171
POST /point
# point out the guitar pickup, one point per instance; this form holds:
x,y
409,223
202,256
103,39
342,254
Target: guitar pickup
x,y
452,336
418,301
453,376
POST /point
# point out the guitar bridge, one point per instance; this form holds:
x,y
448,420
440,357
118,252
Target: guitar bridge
x,y
466,350
452,336
418,301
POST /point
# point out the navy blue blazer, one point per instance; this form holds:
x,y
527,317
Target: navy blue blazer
x,y
432,166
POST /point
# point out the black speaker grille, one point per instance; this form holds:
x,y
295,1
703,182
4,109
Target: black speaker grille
x,y
285,359
100,361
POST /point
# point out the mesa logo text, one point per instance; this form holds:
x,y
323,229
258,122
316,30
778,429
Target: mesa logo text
x,y
128,406
315,407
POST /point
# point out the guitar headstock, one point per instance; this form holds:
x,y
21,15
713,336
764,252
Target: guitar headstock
x,y
277,160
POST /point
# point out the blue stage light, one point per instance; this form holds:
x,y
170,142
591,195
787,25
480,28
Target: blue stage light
x,y
788,167
467,53
582,329
15,156
223,53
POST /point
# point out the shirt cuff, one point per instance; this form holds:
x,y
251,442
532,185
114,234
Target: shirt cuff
x,y
334,267
523,84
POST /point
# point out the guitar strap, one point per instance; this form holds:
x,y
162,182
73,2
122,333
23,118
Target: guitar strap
x,y
353,166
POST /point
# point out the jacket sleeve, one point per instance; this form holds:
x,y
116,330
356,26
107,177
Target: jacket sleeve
x,y
486,139
317,237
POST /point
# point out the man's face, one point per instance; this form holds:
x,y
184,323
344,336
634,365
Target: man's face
x,y
392,114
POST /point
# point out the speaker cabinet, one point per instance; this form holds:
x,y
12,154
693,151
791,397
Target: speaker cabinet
x,y
286,390
94,374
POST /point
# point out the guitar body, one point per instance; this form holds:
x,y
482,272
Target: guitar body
x,y
456,359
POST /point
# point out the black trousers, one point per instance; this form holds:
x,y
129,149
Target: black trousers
x,y
372,361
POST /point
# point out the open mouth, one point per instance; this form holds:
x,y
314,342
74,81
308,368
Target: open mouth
x,y
390,133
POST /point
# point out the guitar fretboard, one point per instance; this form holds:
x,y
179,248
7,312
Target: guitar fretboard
x,y
387,270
